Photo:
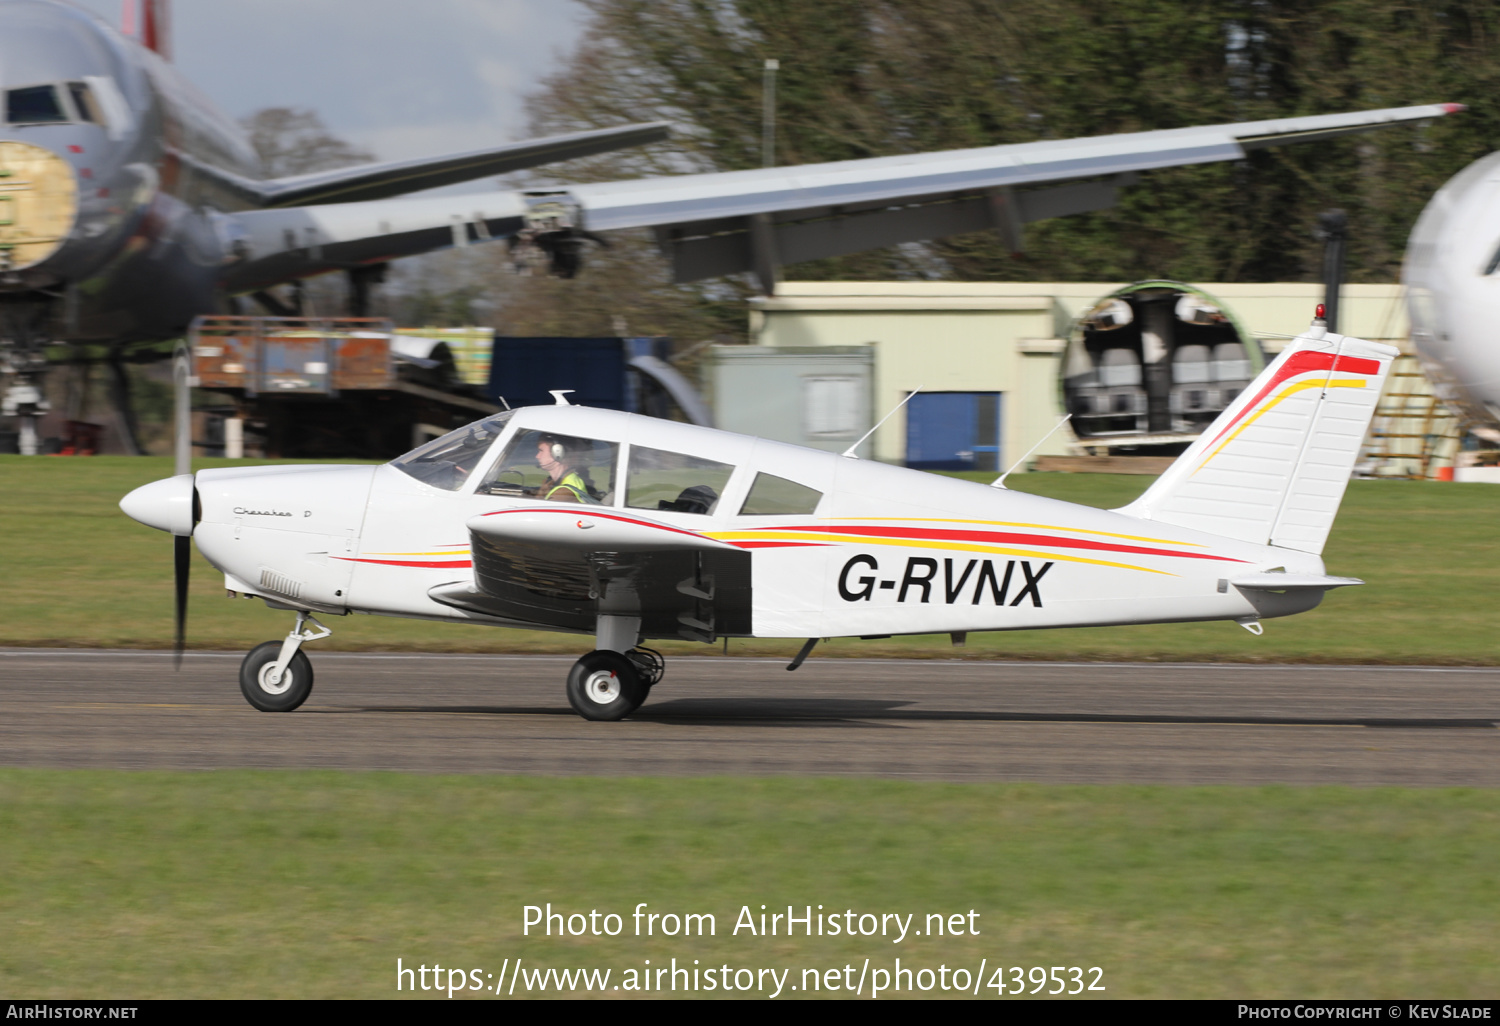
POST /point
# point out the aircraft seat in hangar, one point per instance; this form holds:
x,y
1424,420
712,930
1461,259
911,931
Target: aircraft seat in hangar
x,y
1115,399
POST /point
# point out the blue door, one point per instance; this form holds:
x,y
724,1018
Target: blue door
x,y
953,431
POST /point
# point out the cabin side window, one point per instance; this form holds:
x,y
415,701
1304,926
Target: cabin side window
x,y
555,468
772,496
663,480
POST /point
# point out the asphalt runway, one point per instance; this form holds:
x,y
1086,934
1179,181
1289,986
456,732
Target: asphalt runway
x,y
904,719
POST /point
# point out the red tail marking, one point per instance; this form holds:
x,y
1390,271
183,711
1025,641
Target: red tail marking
x,y
148,21
1302,363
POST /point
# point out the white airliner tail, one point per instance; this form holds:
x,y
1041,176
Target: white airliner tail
x,y
1273,467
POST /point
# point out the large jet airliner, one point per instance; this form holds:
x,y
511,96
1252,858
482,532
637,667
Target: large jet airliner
x,y
1452,276
129,204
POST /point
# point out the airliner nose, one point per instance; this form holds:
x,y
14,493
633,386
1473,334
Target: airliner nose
x,y
166,505
40,192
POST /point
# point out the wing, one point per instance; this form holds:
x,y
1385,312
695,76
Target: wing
x,y
271,246
563,566
395,177
724,223
714,224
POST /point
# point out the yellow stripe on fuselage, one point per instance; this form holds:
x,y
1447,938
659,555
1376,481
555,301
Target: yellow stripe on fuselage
x,y
1034,527
844,539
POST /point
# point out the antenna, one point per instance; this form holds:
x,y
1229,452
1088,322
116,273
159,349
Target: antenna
x,y
849,452
999,482
560,396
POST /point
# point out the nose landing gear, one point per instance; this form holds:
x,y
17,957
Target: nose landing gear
x,y
276,676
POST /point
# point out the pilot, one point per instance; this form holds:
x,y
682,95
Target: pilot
x,y
563,483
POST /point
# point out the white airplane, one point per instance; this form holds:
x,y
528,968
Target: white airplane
x,y
1452,275
630,528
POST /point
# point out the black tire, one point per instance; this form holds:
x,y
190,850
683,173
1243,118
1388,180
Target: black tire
x,y
605,686
296,683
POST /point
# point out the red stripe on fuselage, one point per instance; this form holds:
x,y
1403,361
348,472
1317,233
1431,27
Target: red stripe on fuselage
x,y
778,545
574,511
430,565
1002,538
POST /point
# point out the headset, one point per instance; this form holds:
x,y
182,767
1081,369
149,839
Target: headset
x,y
557,450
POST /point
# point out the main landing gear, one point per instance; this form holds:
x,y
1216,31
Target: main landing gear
x,y
612,681
277,676
609,683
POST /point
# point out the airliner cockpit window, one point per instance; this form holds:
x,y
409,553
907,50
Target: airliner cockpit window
x,y
84,103
448,461
34,105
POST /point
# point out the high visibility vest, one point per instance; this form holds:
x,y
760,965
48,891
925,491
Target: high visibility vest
x,y
570,489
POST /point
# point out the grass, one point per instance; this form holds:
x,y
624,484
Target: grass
x,y
79,573
269,884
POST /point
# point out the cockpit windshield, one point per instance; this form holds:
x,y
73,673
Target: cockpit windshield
x,y
34,105
55,104
448,461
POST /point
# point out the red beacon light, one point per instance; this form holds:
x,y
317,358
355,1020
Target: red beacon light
x,y
1318,313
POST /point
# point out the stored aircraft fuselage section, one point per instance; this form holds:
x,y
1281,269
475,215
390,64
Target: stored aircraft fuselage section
x,y
1153,364
111,171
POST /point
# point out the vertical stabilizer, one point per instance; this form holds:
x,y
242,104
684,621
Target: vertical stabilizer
x,y
148,21
1273,467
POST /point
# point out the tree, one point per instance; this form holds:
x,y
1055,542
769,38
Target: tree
x,y
294,141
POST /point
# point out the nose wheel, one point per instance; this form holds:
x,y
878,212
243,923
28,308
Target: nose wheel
x,y
277,676
606,685
279,695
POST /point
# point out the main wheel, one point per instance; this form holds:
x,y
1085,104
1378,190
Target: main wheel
x,y
296,683
605,686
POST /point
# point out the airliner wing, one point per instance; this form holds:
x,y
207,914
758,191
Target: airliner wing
x,y
714,224
727,222
395,177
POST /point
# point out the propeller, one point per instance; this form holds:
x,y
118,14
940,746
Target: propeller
x,y
182,544
182,552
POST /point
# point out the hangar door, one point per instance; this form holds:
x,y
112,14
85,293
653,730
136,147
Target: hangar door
x,y
954,431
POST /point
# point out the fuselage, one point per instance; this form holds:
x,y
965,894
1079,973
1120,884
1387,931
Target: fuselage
x,y
833,546
1452,275
102,146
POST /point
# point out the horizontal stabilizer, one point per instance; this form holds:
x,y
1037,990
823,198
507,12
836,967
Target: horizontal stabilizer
x,y
1272,469
1288,582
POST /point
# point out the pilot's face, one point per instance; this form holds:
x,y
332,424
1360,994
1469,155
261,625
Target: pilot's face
x,y
545,460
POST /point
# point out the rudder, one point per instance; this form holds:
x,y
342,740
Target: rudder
x,y
1273,467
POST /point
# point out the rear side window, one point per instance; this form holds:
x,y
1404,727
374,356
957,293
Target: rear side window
x,y
674,481
34,105
776,496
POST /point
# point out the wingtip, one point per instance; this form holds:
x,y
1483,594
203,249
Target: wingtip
x,y
1454,108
